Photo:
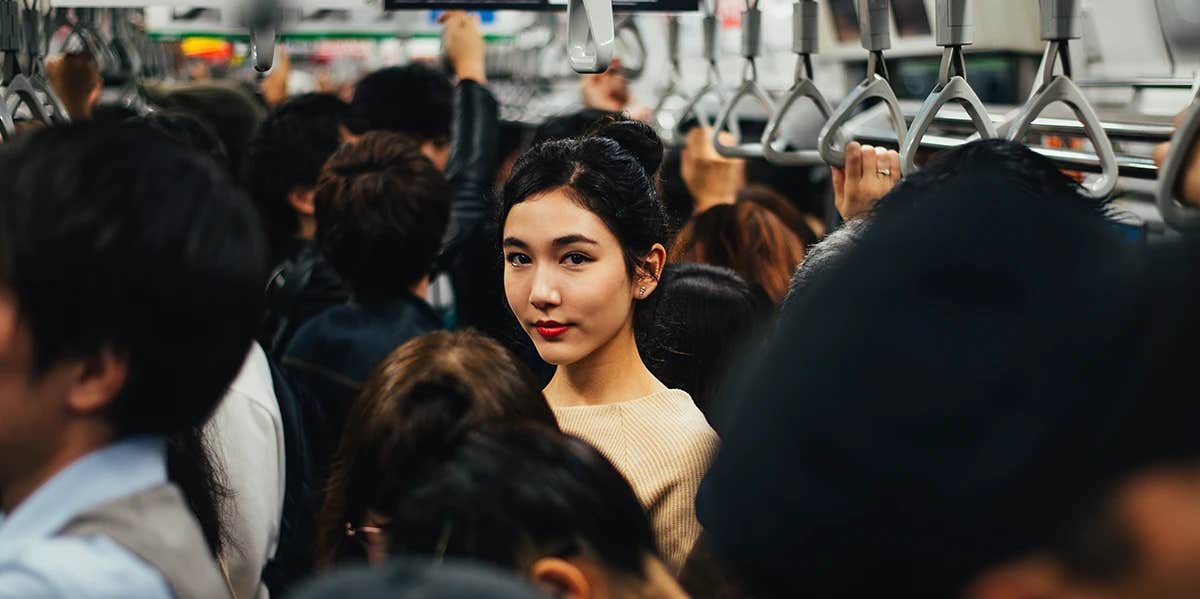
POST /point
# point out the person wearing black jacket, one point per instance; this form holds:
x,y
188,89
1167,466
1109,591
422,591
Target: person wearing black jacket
x,y
456,126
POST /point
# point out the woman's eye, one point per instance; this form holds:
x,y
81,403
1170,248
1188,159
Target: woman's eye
x,y
517,259
576,259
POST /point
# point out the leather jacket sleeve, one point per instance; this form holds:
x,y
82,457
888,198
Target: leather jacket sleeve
x,y
471,169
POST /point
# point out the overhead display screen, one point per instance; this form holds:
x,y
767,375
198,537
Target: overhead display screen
x,y
535,5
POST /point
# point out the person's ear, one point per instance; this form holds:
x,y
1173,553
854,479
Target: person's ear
x,y
560,578
301,200
650,272
1034,578
96,380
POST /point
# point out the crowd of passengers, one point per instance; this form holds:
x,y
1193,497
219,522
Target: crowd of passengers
x,y
254,345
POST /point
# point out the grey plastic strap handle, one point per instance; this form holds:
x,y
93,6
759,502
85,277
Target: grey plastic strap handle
x,y
954,30
20,90
1176,214
8,129
802,89
1061,88
831,143
751,41
804,43
591,35
955,90
749,88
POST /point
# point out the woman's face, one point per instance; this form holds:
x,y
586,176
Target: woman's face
x,y
565,277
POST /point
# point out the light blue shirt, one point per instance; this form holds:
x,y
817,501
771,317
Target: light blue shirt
x,y
36,564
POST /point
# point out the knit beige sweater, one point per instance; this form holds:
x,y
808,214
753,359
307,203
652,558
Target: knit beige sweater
x,y
663,445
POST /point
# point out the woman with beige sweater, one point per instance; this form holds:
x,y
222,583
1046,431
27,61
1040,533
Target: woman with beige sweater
x,y
583,234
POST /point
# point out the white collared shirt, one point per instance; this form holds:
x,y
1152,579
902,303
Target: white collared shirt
x,y
35,564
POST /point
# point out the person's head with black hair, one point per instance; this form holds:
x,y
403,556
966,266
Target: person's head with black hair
x,y
381,209
438,384
232,112
701,316
1040,176
575,124
583,235
533,501
188,131
962,407
284,160
420,578
416,100
129,293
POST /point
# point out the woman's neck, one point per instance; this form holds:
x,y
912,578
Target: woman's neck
x,y
613,373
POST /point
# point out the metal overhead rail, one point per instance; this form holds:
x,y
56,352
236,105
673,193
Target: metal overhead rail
x,y
1176,214
954,30
875,18
804,44
1060,24
751,46
591,35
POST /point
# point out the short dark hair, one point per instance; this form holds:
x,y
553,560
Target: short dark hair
x,y
116,237
575,124
700,317
288,151
415,99
439,384
951,394
231,110
510,494
612,173
186,130
382,209
417,578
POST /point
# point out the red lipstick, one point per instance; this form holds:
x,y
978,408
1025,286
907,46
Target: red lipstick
x,y
550,329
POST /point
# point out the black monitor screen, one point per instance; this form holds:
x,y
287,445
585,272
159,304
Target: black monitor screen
x,y
845,20
618,5
911,17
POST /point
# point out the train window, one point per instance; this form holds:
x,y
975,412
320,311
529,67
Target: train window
x,y
845,20
911,17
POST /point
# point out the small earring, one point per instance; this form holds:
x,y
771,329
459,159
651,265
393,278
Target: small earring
x,y
642,291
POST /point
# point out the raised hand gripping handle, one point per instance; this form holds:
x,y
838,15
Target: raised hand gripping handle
x,y
591,35
1176,214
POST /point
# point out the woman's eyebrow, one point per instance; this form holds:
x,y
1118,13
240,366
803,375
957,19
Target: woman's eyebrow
x,y
574,238
514,242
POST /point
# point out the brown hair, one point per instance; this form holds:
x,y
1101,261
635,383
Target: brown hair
x,y
791,216
434,387
381,208
747,238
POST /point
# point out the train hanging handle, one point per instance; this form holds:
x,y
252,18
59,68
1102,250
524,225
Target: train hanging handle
x,y
954,30
1175,213
804,44
591,35
1060,24
751,45
876,37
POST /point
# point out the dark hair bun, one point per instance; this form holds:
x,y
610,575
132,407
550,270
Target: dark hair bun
x,y
637,138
